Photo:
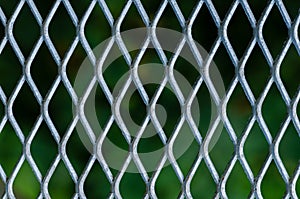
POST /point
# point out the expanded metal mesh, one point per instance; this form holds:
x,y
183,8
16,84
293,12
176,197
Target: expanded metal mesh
x,y
114,178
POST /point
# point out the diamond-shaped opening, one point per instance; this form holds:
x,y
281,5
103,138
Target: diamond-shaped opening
x,y
116,71
256,149
96,184
239,31
115,135
60,109
44,7
151,7
186,72
82,77
187,8
10,149
292,8
150,148
61,21
169,102
26,109
272,185
132,19
75,62
26,184
150,57
289,69
204,30
239,110
168,41
188,146
290,149
77,152
169,20
222,151
97,28
8,6
116,7
274,116
134,107
240,189
115,148
257,7
10,70
80,7
166,181
134,110
44,70
275,41
103,109
224,65
26,37
203,185
130,180
222,7
43,148
257,71
204,100
135,39
61,184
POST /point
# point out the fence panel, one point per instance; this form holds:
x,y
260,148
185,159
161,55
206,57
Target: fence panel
x,y
149,99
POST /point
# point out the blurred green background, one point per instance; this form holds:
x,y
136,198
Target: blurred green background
x,y
44,71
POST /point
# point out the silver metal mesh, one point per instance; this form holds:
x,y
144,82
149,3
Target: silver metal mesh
x,y
150,179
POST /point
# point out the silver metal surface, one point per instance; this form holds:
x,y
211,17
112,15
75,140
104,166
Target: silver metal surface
x,y
221,101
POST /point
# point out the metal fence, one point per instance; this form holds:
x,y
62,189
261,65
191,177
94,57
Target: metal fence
x,y
27,166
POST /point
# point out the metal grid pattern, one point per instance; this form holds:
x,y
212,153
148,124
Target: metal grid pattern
x,y
220,179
